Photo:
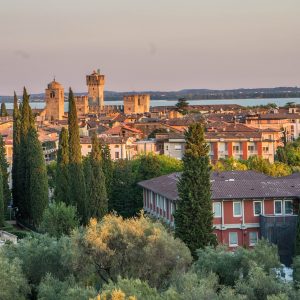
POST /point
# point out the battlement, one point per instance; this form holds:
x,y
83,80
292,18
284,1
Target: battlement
x,y
95,78
136,103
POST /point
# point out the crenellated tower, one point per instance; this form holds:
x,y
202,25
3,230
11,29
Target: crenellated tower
x,y
95,83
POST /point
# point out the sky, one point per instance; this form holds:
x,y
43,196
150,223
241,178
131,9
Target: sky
x,y
149,44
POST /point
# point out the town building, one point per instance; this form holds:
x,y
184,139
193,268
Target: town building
x,y
136,104
247,205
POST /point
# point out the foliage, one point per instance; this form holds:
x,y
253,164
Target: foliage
x,y
3,112
258,285
59,219
290,153
77,188
230,266
107,166
182,105
131,288
97,196
16,181
256,163
41,254
120,247
1,202
194,216
3,168
53,289
124,185
36,178
62,193
13,284
51,173
296,269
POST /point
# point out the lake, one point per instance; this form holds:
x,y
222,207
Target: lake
x,y
242,102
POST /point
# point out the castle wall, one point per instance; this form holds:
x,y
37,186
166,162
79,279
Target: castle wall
x,y
136,104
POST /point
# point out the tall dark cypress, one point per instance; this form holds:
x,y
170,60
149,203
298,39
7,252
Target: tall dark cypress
x,y
2,210
36,179
62,172
16,189
77,183
3,111
4,167
98,197
194,216
107,166
27,121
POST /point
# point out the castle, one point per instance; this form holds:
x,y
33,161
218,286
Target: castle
x,y
136,104
92,102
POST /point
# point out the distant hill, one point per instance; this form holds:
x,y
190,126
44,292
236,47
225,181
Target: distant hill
x,y
195,94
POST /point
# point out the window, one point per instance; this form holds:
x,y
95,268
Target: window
x,y
167,148
89,146
116,146
265,149
117,155
288,207
217,209
237,209
257,208
251,148
236,148
233,239
177,147
253,238
278,207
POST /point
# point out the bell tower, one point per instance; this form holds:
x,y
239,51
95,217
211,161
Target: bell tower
x,y
95,83
55,100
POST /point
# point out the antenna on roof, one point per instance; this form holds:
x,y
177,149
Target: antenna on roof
x,y
54,78
98,71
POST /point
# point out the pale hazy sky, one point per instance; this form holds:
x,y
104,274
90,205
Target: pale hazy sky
x,y
149,44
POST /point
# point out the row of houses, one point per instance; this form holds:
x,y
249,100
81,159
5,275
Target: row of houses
x,y
247,205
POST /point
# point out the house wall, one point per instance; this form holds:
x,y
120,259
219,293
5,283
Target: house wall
x,y
164,208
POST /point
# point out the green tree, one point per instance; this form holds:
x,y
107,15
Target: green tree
x,y
3,167
53,289
16,181
62,192
124,189
194,216
3,111
98,204
182,105
107,166
2,207
77,183
59,219
13,284
27,122
119,247
36,178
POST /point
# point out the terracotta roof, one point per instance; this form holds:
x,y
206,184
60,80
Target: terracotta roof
x,y
243,185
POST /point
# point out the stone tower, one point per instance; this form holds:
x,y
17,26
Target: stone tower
x,y
55,100
95,83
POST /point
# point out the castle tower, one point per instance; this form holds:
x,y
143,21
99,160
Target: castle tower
x,y
95,83
55,100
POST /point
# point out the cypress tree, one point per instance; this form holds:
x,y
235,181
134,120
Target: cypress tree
x,y
88,175
194,216
107,166
62,173
98,197
36,178
2,211
4,166
16,189
77,183
3,111
27,121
